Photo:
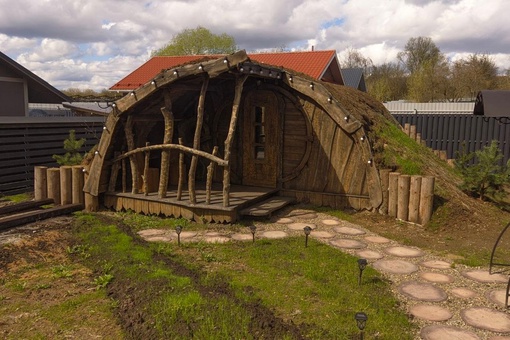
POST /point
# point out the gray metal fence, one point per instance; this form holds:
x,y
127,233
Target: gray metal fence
x,y
26,142
457,132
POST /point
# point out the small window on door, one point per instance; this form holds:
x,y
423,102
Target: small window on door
x,y
259,133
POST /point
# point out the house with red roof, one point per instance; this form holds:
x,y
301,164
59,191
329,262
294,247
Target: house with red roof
x,y
320,65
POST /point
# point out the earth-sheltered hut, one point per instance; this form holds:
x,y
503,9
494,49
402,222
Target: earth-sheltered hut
x,y
206,140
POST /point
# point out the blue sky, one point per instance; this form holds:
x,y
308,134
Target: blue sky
x,y
95,43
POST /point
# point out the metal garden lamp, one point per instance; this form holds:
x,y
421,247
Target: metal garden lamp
x,y
307,230
178,230
361,320
253,229
362,264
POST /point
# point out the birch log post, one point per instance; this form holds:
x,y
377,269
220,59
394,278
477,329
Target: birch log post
x,y
182,170
414,199
128,130
384,174
426,199
404,182
196,142
114,173
146,171
40,183
168,117
230,138
393,193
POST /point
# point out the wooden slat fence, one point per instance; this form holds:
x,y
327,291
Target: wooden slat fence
x,y
26,143
453,132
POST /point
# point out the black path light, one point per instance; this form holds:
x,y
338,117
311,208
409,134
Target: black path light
x,y
307,230
362,264
253,229
178,230
361,321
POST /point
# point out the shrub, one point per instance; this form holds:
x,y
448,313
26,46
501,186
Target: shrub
x,y
72,146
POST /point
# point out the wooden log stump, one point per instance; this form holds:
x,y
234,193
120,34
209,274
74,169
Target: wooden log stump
x,y
53,175
426,199
384,174
40,183
412,132
404,182
66,185
78,182
414,199
393,193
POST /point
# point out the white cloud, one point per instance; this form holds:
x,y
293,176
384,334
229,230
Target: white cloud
x,y
72,43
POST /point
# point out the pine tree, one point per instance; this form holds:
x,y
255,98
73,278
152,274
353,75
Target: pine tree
x,y
72,146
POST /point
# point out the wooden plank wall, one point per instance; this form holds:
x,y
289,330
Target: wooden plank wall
x,y
25,145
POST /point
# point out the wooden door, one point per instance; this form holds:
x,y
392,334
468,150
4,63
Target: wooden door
x,y
261,139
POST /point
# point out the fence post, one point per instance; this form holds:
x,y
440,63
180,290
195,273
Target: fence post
x,y
404,182
426,199
414,199
53,175
384,174
40,183
393,193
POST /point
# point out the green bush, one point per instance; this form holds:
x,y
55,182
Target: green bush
x,y
72,146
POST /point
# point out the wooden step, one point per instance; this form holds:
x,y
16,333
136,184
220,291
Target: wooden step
x,y
267,207
37,215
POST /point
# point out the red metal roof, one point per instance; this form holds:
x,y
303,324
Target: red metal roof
x,y
312,63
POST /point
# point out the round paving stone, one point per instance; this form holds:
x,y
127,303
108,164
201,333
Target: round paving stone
x,y
348,243
274,234
152,232
436,277
377,239
499,337
185,234
436,264
404,251
242,237
497,296
158,238
422,291
439,332
369,254
330,222
484,276
284,220
486,318
430,312
463,293
321,234
299,226
349,231
395,266
309,216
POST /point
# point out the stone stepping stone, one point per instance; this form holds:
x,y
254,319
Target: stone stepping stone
x,y
498,297
348,243
431,312
486,318
330,222
216,239
284,220
484,276
299,226
158,238
463,293
242,237
422,291
185,234
152,232
401,251
321,234
500,337
395,266
436,264
274,234
307,216
349,231
440,332
436,277
377,239
369,254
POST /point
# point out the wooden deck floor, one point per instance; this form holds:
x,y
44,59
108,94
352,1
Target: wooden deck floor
x,y
240,198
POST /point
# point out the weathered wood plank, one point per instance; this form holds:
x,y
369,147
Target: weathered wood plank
x,y
32,216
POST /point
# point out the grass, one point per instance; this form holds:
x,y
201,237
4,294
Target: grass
x,y
218,291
